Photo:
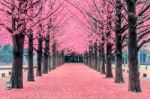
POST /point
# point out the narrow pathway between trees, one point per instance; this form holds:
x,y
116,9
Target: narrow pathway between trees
x,y
74,81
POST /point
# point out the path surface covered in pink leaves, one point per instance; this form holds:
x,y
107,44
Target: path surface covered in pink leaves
x,y
75,81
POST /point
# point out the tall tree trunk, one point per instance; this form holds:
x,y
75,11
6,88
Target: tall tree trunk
x,y
118,67
58,58
49,61
90,58
109,60
85,58
62,58
95,56
103,59
134,81
30,59
18,29
17,74
88,61
39,57
46,54
54,55
99,58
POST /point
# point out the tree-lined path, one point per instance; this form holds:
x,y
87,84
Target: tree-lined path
x,y
75,81
103,34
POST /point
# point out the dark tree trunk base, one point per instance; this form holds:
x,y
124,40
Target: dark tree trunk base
x,y
109,75
45,65
109,61
102,67
118,72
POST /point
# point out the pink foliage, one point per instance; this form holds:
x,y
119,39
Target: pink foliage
x,y
73,27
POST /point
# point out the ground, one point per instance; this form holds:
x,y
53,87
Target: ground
x,y
75,81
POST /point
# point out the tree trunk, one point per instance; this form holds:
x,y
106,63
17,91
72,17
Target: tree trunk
x,y
90,58
99,58
39,57
109,61
49,61
57,58
62,58
85,58
95,56
46,54
118,66
134,81
30,59
54,55
17,74
102,60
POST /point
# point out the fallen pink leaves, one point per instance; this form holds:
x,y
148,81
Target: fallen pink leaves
x,y
75,81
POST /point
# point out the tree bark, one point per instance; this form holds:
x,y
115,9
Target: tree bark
x,y
17,74
39,57
90,58
30,59
58,59
98,60
46,54
118,66
85,58
134,81
62,57
109,61
49,61
54,55
102,59
95,56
